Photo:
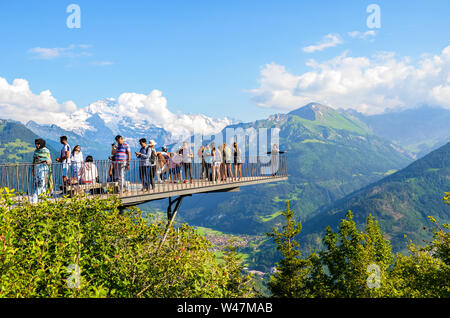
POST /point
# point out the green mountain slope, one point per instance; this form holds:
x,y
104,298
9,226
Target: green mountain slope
x,y
400,202
17,142
329,156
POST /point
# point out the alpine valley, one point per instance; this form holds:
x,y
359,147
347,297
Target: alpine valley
x,y
338,160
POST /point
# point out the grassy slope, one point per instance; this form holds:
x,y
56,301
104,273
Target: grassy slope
x,y
17,142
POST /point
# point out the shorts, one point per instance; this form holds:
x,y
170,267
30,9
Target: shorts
x,y
65,169
175,170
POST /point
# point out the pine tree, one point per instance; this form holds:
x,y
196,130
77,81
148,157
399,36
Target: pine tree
x,y
354,263
290,278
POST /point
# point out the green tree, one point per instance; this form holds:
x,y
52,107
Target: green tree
x,y
290,278
239,284
79,247
426,271
353,263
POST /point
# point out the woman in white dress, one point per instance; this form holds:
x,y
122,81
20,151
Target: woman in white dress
x,y
77,161
217,161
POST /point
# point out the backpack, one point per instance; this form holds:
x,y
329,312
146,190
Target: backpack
x,y
153,157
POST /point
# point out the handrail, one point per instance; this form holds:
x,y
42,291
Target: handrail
x,y
106,177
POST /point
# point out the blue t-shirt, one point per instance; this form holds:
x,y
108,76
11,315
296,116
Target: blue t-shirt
x,y
207,156
122,152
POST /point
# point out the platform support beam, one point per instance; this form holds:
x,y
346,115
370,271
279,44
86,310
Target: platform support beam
x,y
171,215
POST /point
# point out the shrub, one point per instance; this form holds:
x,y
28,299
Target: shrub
x,y
80,247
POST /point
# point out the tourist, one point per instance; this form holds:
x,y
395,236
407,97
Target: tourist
x,y
174,167
122,158
42,170
165,168
207,157
153,159
237,160
161,166
88,171
187,162
144,164
226,161
64,158
202,162
274,159
112,175
76,160
217,161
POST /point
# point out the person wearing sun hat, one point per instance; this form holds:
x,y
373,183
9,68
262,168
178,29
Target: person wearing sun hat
x,y
153,159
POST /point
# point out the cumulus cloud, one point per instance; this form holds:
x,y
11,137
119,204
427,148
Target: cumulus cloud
x,y
151,108
367,84
330,40
18,102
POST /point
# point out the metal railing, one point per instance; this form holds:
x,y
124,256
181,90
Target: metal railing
x,y
106,177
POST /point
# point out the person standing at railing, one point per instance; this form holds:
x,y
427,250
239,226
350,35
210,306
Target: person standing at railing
x,y
226,159
237,161
207,157
175,161
153,160
217,162
274,162
76,160
163,163
122,158
202,162
64,158
144,164
42,170
187,162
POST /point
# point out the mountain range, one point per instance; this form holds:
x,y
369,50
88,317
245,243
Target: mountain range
x,y
338,160
330,155
418,130
95,126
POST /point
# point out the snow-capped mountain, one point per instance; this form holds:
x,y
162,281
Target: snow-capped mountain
x,y
133,116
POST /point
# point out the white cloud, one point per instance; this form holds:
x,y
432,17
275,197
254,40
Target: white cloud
x,y
18,102
151,108
367,84
52,53
102,63
330,40
362,35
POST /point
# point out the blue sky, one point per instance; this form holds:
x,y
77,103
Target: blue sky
x,y
203,55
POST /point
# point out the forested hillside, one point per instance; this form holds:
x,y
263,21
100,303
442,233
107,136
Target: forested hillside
x,y
329,156
401,202
17,142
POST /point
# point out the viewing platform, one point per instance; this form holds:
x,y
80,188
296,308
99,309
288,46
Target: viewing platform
x,y
132,183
